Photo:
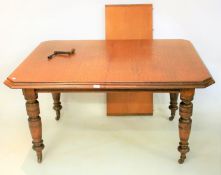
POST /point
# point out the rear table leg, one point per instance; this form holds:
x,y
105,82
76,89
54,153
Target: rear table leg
x,y
57,104
173,105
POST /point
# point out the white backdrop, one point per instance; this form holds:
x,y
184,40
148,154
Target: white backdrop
x,y
26,23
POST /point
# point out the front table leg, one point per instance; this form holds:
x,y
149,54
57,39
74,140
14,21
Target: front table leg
x,y
185,110
34,120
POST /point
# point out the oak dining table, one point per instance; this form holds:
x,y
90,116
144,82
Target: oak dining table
x,y
160,66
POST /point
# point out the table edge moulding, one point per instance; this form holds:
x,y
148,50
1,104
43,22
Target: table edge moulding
x,y
177,69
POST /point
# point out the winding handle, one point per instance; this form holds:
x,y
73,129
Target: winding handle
x,y
61,53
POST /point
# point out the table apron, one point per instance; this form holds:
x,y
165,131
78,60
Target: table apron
x,y
107,90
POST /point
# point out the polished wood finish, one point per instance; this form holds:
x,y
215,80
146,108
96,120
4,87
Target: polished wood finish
x,y
107,66
125,22
129,22
173,105
129,103
186,109
34,120
57,104
132,64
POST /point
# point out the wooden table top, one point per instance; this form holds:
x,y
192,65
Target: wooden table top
x,y
113,64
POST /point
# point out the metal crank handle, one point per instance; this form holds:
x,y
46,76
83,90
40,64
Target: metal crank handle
x,y
61,53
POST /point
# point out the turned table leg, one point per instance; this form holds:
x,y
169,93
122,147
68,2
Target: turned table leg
x,y
173,105
185,110
34,120
57,104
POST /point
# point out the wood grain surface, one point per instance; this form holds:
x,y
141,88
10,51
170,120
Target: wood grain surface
x,y
128,64
129,22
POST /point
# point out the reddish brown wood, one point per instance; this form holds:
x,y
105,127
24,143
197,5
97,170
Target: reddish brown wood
x,y
132,64
129,103
186,109
173,105
34,121
125,22
101,66
57,104
129,22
